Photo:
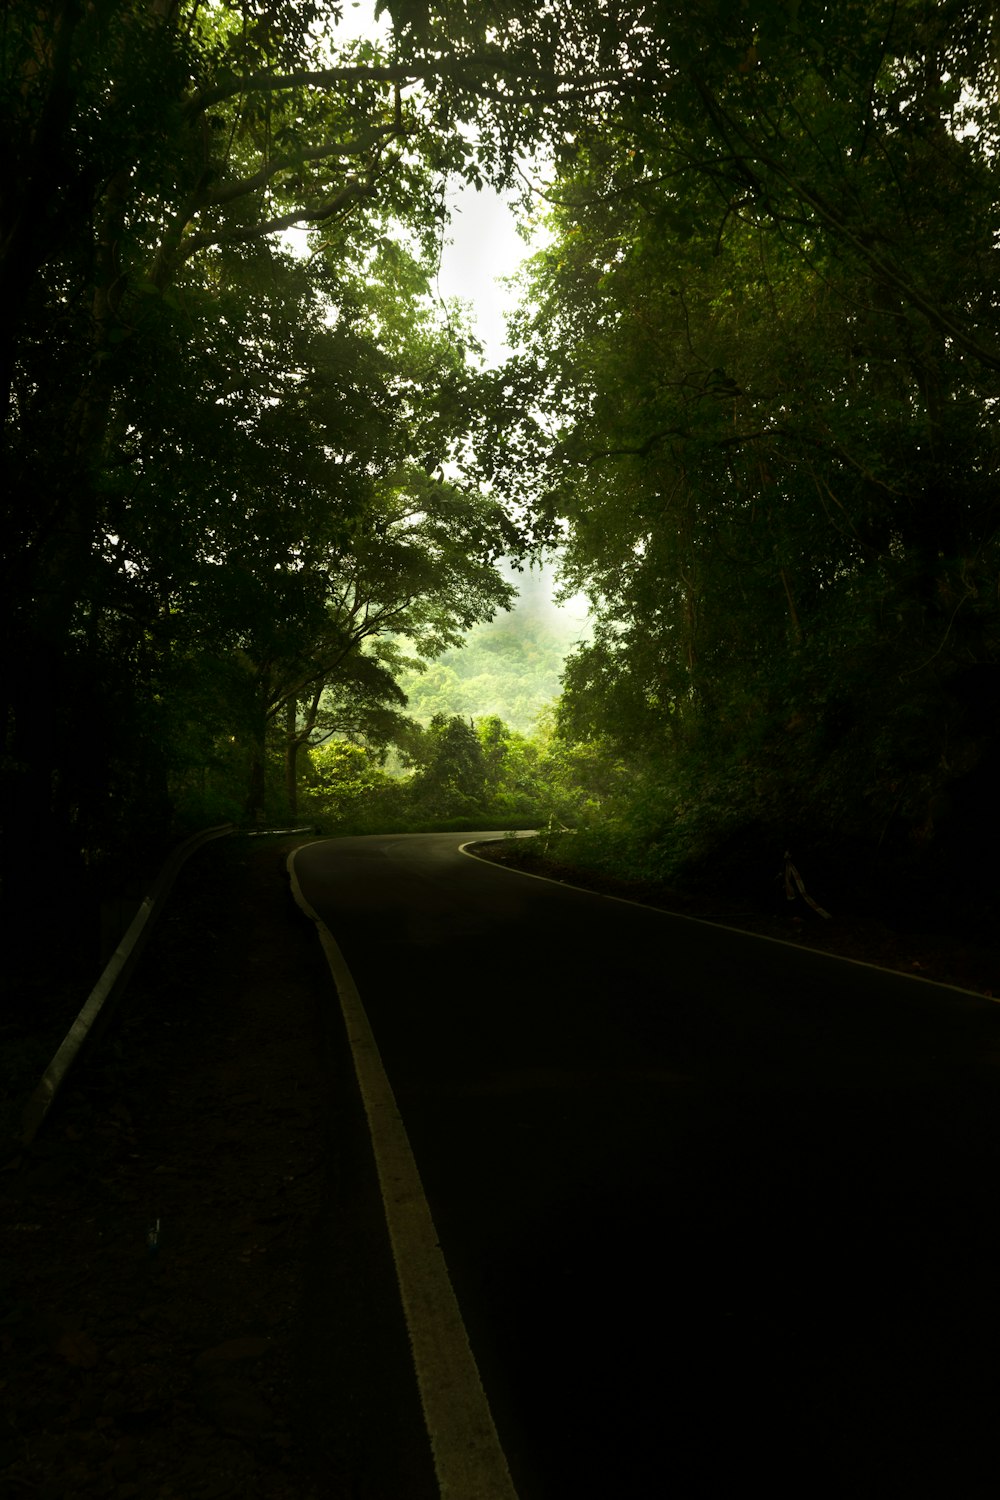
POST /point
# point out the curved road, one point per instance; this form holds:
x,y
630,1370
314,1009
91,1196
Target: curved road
x,y
719,1212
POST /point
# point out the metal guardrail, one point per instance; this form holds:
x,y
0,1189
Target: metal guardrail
x,y
107,992
260,833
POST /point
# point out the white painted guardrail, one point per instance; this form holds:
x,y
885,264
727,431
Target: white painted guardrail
x,y
108,990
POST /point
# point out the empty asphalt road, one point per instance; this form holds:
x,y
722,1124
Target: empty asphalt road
x,y
720,1213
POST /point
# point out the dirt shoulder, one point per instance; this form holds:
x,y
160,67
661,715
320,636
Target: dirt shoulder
x,y
197,1295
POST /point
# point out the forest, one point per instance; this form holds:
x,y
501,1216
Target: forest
x,y
258,493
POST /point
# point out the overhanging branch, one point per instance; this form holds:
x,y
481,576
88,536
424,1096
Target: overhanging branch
x,y
476,69
351,193
247,185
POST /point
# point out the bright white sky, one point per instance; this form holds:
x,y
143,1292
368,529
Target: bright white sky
x,y
484,246
481,244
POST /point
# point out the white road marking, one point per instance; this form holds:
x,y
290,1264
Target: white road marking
x,y
468,1459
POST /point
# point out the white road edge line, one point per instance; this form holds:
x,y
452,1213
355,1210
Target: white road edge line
x,y
468,1459
679,916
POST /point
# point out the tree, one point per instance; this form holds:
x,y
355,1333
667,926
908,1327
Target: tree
x,y
416,571
156,150
754,397
345,781
452,770
308,532
361,709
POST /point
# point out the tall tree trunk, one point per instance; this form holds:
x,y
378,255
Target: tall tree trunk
x,y
296,736
257,780
793,614
292,743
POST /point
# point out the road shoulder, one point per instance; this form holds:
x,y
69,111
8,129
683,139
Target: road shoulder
x,y
256,1347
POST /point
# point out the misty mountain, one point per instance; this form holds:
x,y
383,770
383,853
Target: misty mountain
x,y
511,666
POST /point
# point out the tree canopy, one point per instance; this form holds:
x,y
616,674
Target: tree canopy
x,y
763,350
224,464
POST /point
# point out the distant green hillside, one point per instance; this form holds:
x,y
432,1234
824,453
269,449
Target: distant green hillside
x,y
510,667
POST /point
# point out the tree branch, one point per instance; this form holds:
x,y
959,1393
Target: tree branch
x,y
246,185
481,68
352,192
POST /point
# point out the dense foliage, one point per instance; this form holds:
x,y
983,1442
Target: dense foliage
x,y
460,773
763,356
